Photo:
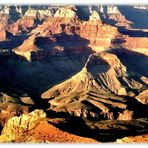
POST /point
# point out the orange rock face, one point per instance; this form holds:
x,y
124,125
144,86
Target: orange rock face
x,y
45,132
75,35
97,33
21,25
2,32
137,44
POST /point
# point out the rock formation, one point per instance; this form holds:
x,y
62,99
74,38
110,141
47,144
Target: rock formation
x,y
26,48
65,13
134,139
137,44
143,97
21,25
99,35
81,35
38,13
11,106
111,14
93,87
20,124
94,16
31,127
2,32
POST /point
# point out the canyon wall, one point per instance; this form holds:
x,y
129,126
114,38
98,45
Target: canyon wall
x,y
66,32
137,44
74,35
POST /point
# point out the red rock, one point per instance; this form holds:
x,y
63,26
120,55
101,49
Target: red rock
x,y
21,25
2,32
137,44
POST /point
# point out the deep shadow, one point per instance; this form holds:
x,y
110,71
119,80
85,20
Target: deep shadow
x,y
140,110
78,126
132,33
14,15
73,44
13,41
83,12
17,73
134,61
1,127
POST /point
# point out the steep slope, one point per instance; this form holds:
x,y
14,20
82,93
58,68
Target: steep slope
x,y
96,69
137,44
143,97
33,128
100,90
73,35
26,48
2,32
112,15
91,92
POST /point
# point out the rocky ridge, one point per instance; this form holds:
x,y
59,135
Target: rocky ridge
x,y
20,124
95,86
34,128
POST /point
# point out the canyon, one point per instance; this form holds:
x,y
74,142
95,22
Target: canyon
x,y
75,74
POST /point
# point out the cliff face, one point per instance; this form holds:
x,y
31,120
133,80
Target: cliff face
x,y
65,13
39,13
21,25
81,35
33,127
137,44
143,97
95,86
20,124
112,14
99,35
2,32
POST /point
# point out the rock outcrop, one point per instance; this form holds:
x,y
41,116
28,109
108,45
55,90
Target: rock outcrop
x,y
111,14
94,16
81,36
136,44
26,48
23,24
32,128
143,97
66,13
20,125
85,91
2,32
10,106
40,14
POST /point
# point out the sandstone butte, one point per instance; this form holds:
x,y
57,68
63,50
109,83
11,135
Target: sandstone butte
x,y
98,76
